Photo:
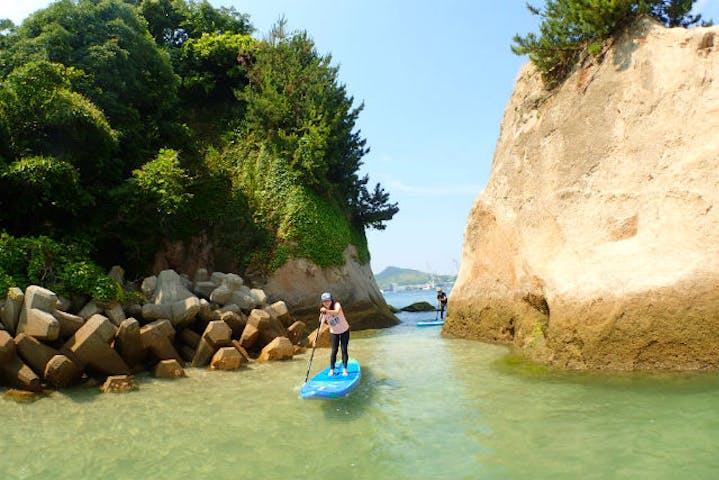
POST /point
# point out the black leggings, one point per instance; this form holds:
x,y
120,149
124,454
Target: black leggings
x,y
338,338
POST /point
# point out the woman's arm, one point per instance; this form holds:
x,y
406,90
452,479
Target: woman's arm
x,y
333,312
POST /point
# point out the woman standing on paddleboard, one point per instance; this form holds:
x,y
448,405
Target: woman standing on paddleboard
x,y
331,313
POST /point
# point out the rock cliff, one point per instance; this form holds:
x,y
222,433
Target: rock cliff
x,y
596,241
300,282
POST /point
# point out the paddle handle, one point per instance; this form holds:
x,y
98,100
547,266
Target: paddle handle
x,y
314,345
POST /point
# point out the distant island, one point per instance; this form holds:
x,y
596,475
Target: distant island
x,y
393,279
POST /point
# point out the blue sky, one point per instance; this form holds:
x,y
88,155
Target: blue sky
x,y
434,77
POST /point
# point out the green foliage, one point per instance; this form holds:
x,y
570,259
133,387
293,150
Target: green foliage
x,y
209,67
125,124
570,27
42,191
127,76
162,183
58,266
173,22
48,118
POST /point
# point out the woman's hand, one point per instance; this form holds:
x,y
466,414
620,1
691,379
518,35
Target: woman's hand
x,y
323,310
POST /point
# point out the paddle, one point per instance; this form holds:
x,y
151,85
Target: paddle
x,y
436,316
314,345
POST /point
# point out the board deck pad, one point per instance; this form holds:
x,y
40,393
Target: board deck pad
x,y
324,386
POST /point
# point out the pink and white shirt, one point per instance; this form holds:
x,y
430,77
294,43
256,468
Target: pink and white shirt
x,y
336,321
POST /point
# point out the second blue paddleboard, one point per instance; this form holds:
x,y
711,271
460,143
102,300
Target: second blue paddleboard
x,y
430,324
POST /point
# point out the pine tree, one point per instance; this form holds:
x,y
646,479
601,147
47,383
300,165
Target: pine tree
x,y
570,27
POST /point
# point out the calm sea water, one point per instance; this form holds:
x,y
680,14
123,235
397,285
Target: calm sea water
x,y
427,407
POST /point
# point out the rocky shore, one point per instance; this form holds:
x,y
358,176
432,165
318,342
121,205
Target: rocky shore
x,y
215,321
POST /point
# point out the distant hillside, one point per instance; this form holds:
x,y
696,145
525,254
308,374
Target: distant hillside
x,y
408,277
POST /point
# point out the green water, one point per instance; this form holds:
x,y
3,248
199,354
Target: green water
x,y
427,407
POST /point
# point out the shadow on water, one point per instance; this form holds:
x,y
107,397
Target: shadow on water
x,y
355,404
642,382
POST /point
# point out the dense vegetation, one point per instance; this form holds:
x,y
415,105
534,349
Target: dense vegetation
x,y
128,123
572,27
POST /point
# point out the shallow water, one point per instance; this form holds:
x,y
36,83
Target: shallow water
x,y
427,407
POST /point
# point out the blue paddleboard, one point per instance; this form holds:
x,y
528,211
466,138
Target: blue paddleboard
x,y
430,324
324,386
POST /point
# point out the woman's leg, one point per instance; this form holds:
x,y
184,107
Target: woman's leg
x,y
344,339
333,355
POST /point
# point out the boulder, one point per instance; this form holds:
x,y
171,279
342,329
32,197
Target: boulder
x,y
187,353
299,283
325,337
7,347
157,338
11,311
115,313
190,337
168,369
119,384
184,311
13,371
205,314
63,303
245,356
185,279
91,308
217,334
279,310
278,349
260,297
236,322
16,374
179,312
419,307
201,275
170,288
268,326
46,362
39,323
40,298
233,281
128,343
221,295
244,299
149,284
249,336
153,311
90,347
296,331
226,358
36,317
117,273
217,277
69,323
204,289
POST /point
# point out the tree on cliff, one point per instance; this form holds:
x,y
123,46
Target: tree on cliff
x,y
570,27
125,124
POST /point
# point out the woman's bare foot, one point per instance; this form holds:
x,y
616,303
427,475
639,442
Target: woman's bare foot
x,y
345,372
332,372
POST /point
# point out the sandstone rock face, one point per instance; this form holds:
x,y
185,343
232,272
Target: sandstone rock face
x,y
596,241
300,283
